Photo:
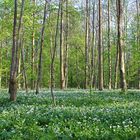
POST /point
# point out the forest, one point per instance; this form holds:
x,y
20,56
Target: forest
x,y
69,69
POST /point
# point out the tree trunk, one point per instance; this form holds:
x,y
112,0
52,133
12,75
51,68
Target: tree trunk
x,y
95,81
7,77
19,71
121,45
138,37
92,48
109,48
66,47
13,70
33,46
116,67
62,72
77,69
23,66
53,56
41,49
87,44
100,55
19,37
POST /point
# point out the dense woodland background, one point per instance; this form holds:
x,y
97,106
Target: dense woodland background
x,y
75,65
69,44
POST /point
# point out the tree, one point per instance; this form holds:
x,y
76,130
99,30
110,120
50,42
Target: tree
x,y
100,55
121,45
87,52
109,48
138,37
15,52
19,38
41,49
53,55
66,44
92,71
116,67
62,72
87,44
33,47
13,70
23,66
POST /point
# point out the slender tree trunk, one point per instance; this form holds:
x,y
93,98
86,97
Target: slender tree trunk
x,y
100,55
23,66
77,69
121,45
66,48
13,70
109,49
87,44
33,46
41,50
19,71
138,37
18,50
92,48
19,36
7,57
53,55
95,81
62,72
116,67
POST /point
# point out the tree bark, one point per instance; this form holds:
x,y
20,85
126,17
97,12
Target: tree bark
x,y
67,46
41,49
87,44
13,70
19,36
121,45
53,55
92,48
138,37
62,72
100,55
23,66
77,68
95,79
109,49
18,50
116,67
33,46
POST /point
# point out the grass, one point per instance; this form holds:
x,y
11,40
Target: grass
x,y
106,115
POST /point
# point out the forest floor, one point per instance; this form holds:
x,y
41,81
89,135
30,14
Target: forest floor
x,y
78,115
